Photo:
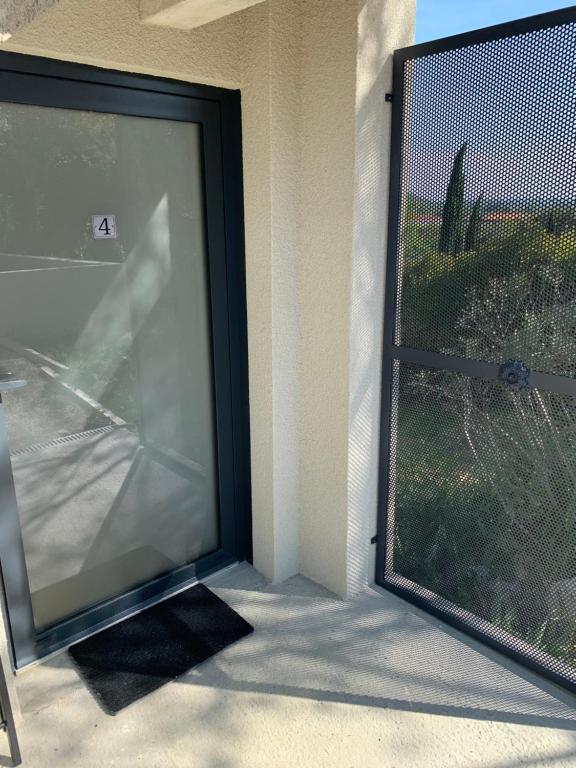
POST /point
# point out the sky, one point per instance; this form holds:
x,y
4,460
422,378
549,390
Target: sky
x,y
440,18
511,101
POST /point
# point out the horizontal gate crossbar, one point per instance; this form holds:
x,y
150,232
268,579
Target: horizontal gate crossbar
x,y
549,382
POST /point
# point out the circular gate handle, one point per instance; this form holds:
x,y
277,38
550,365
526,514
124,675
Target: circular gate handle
x,y
514,374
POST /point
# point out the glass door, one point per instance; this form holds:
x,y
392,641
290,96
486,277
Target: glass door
x,y
113,319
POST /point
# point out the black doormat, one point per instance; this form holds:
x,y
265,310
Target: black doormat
x,y
135,657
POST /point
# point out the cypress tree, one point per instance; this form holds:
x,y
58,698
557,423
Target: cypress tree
x,y
450,240
473,228
551,223
458,217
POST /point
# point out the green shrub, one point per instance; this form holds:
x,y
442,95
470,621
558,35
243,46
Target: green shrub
x,y
486,476
438,287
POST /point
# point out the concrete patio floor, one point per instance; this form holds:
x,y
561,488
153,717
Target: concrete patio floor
x,y
321,682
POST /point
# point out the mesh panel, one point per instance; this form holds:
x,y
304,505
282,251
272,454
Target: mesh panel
x,y
488,225
483,508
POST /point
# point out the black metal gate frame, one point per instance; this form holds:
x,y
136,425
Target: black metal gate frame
x,y
394,354
7,720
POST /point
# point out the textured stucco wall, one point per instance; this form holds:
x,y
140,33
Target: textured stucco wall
x,y
277,75
271,161
328,93
109,34
346,70
313,75
187,14
15,14
383,26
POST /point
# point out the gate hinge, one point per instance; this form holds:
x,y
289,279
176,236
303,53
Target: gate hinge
x,y
374,539
389,97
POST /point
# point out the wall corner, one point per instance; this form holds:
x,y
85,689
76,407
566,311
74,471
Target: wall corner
x,y
383,26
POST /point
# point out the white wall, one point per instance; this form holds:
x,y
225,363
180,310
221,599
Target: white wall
x,y
109,34
188,14
313,75
15,14
271,128
383,26
327,189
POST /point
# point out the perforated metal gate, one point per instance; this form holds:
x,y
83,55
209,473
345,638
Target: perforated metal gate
x,y
478,459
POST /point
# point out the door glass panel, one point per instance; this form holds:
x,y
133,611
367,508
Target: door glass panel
x,y
113,438
483,507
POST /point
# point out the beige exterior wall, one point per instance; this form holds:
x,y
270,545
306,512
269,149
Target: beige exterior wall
x,y
383,26
15,14
328,95
313,75
109,34
188,14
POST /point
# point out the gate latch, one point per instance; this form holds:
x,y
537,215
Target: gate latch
x,y
514,374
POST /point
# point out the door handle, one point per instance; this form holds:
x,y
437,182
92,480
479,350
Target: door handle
x,y
9,381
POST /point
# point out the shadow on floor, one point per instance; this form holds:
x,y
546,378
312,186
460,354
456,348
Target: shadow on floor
x,y
373,651
376,651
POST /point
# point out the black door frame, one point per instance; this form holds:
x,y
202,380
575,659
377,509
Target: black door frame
x,y
46,82
393,353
